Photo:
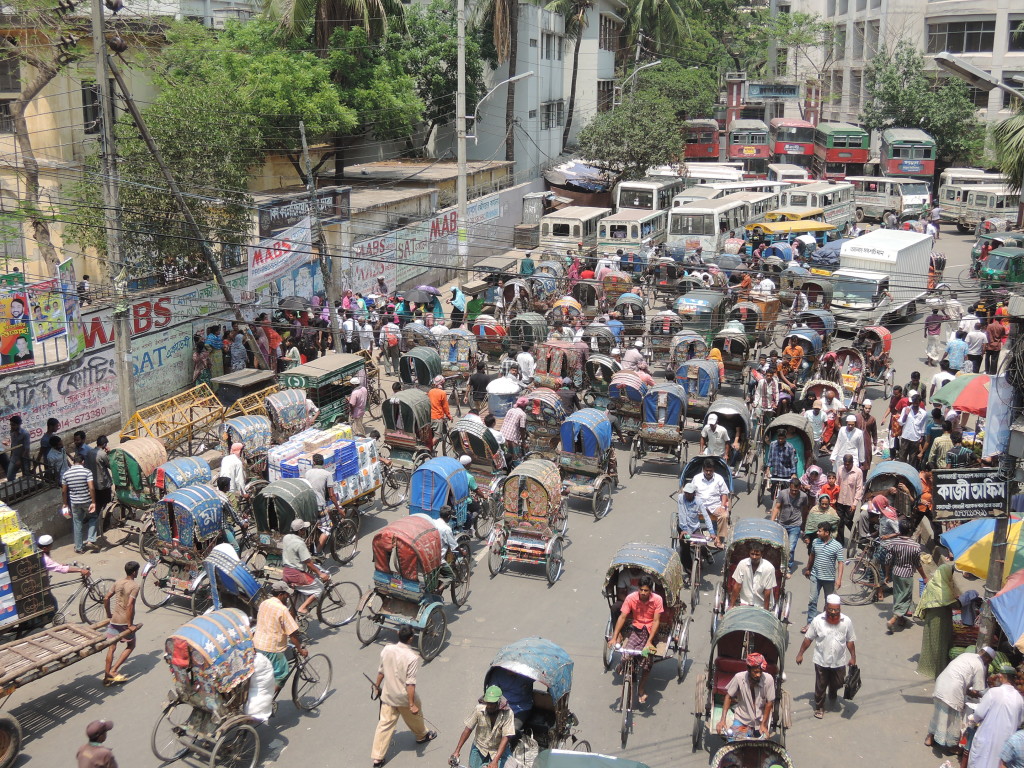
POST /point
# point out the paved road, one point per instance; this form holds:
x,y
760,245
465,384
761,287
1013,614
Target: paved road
x,y
885,726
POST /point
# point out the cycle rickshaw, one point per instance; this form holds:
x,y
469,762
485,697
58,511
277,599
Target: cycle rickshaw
x,y
695,466
734,415
744,630
491,336
417,334
701,380
588,294
567,309
752,752
673,637
633,314
557,360
441,482
853,371
774,549
661,431
288,414
550,721
687,345
408,582
418,367
818,291
587,460
599,339
458,350
798,434
534,520
736,349
253,432
876,344
408,435
661,329
821,321
812,345
527,328
212,660
517,298
703,311
133,466
626,394
544,417
901,476
468,437
789,283
614,284
757,315
597,378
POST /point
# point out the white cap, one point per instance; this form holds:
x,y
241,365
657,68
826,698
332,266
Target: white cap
x,y
638,343
833,600
911,392
465,460
866,402
298,524
45,540
616,351
689,488
851,419
988,650
713,419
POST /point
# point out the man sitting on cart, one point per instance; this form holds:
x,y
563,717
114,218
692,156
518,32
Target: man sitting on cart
x,y
299,568
753,579
692,519
644,608
714,493
751,696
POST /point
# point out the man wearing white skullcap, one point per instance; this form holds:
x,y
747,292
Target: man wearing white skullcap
x,y
714,438
45,542
834,647
964,676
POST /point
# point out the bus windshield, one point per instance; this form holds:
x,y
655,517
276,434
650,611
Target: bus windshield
x,y
853,290
636,198
699,224
915,188
784,133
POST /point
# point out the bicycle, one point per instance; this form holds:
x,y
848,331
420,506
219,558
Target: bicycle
x,y
394,488
630,679
337,605
90,595
458,393
866,580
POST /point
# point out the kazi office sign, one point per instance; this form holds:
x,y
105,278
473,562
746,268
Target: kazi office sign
x,y
966,494
772,91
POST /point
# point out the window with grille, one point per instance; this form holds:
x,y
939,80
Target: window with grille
x,y
10,73
552,115
961,36
91,112
608,37
605,94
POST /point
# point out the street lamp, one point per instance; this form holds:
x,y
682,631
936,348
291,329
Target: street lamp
x,y
970,74
485,97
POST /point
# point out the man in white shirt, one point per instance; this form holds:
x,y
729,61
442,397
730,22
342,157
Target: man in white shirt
x,y
849,440
714,439
913,418
448,542
834,647
439,328
633,357
940,379
350,328
964,676
232,468
967,322
976,339
527,365
767,285
714,493
753,580
366,335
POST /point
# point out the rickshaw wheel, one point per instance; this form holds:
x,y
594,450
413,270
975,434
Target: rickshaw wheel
x,y
588,399
147,540
554,561
151,592
311,682
164,741
343,540
561,519
463,567
239,747
484,522
606,650
394,491
752,472
717,606
602,501
90,605
432,636
496,556
369,622
695,579
698,733
581,746
714,624
339,603
202,597
635,457
256,561
683,651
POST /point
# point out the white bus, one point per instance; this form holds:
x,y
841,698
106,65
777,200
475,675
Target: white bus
x,y
969,176
952,195
566,228
629,229
714,191
654,193
875,196
787,172
709,223
834,197
711,173
980,202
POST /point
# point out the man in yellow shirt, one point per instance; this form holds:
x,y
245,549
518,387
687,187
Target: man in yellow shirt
x,y
275,627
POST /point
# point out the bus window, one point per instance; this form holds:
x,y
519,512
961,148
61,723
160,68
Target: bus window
x,y
699,224
560,230
546,229
576,230
797,199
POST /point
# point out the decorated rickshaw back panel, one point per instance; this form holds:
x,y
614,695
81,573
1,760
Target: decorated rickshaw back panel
x,y
407,547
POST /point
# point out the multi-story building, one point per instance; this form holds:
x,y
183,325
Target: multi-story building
x,y
598,51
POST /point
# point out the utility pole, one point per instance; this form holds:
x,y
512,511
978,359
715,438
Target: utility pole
x,y
461,183
207,250
317,241
116,269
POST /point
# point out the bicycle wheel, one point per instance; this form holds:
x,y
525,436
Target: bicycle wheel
x,y
369,621
239,747
339,603
862,590
463,567
343,540
256,561
627,703
164,742
581,746
602,500
433,635
152,591
554,562
147,541
695,577
484,522
496,556
90,604
202,598
394,491
311,682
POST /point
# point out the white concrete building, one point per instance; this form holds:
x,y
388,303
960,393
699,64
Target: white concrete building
x,y
596,79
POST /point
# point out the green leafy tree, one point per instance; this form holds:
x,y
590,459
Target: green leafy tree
x,y
639,133
691,91
900,93
749,37
320,19
1009,140
661,27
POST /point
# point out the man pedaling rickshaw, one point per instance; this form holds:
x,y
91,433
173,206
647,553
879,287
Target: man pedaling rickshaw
x,y
644,608
449,545
751,695
475,492
299,568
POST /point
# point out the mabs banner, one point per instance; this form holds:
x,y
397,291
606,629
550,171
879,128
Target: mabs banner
x,y
279,255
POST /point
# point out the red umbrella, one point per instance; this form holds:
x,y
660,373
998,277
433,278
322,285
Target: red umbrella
x,y
973,398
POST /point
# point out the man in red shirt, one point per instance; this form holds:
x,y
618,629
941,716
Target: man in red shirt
x,y
645,609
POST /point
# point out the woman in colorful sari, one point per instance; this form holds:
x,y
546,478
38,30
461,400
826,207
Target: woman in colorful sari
x,y
936,608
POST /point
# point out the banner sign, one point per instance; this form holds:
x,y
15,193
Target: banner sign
x,y
48,318
12,280
279,255
965,494
280,213
72,308
772,91
15,336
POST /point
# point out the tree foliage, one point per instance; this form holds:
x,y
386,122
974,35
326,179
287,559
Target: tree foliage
x,y
1009,140
639,133
691,92
804,35
901,93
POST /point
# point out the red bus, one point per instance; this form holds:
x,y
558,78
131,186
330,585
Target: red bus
x,y
748,142
907,152
791,141
840,150
702,137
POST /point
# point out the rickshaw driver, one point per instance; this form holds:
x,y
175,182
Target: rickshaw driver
x,y
299,566
475,492
692,516
714,493
753,579
645,609
781,461
751,695
766,393
323,486
275,629
440,413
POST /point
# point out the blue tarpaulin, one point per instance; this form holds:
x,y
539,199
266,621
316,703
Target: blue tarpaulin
x,y
198,513
899,468
627,385
184,471
438,482
699,377
593,429
665,404
540,660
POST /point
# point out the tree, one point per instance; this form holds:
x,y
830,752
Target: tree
x,y
660,26
575,14
639,133
900,93
1009,140
691,91
297,18
806,36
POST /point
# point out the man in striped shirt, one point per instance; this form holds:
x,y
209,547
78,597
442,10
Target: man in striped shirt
x,y
824,568
902,558
959,455
80,495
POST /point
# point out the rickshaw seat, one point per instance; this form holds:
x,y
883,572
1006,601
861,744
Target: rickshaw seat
x,y
726,669
400,439
542,700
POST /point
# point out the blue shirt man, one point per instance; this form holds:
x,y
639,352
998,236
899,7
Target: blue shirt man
x,y
615,326
956,352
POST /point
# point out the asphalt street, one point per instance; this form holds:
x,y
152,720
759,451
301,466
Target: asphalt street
x,y
884,726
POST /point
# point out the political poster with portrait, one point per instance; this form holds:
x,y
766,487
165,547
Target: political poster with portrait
x,y
47,304
72,308
15,333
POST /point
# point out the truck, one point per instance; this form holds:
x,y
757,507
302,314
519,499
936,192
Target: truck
x,y
882,278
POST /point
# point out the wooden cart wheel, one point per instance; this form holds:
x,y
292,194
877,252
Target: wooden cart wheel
x,y
10,740
165,741
239,747
433,635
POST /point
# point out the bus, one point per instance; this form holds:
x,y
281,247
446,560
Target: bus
x,y
980,202
709,223
907,152
654,193
573,227
714,191
835,198
748,142
787,172
630,229
711,173
840,150
967,176
953,189
702,140
791,141
875,196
